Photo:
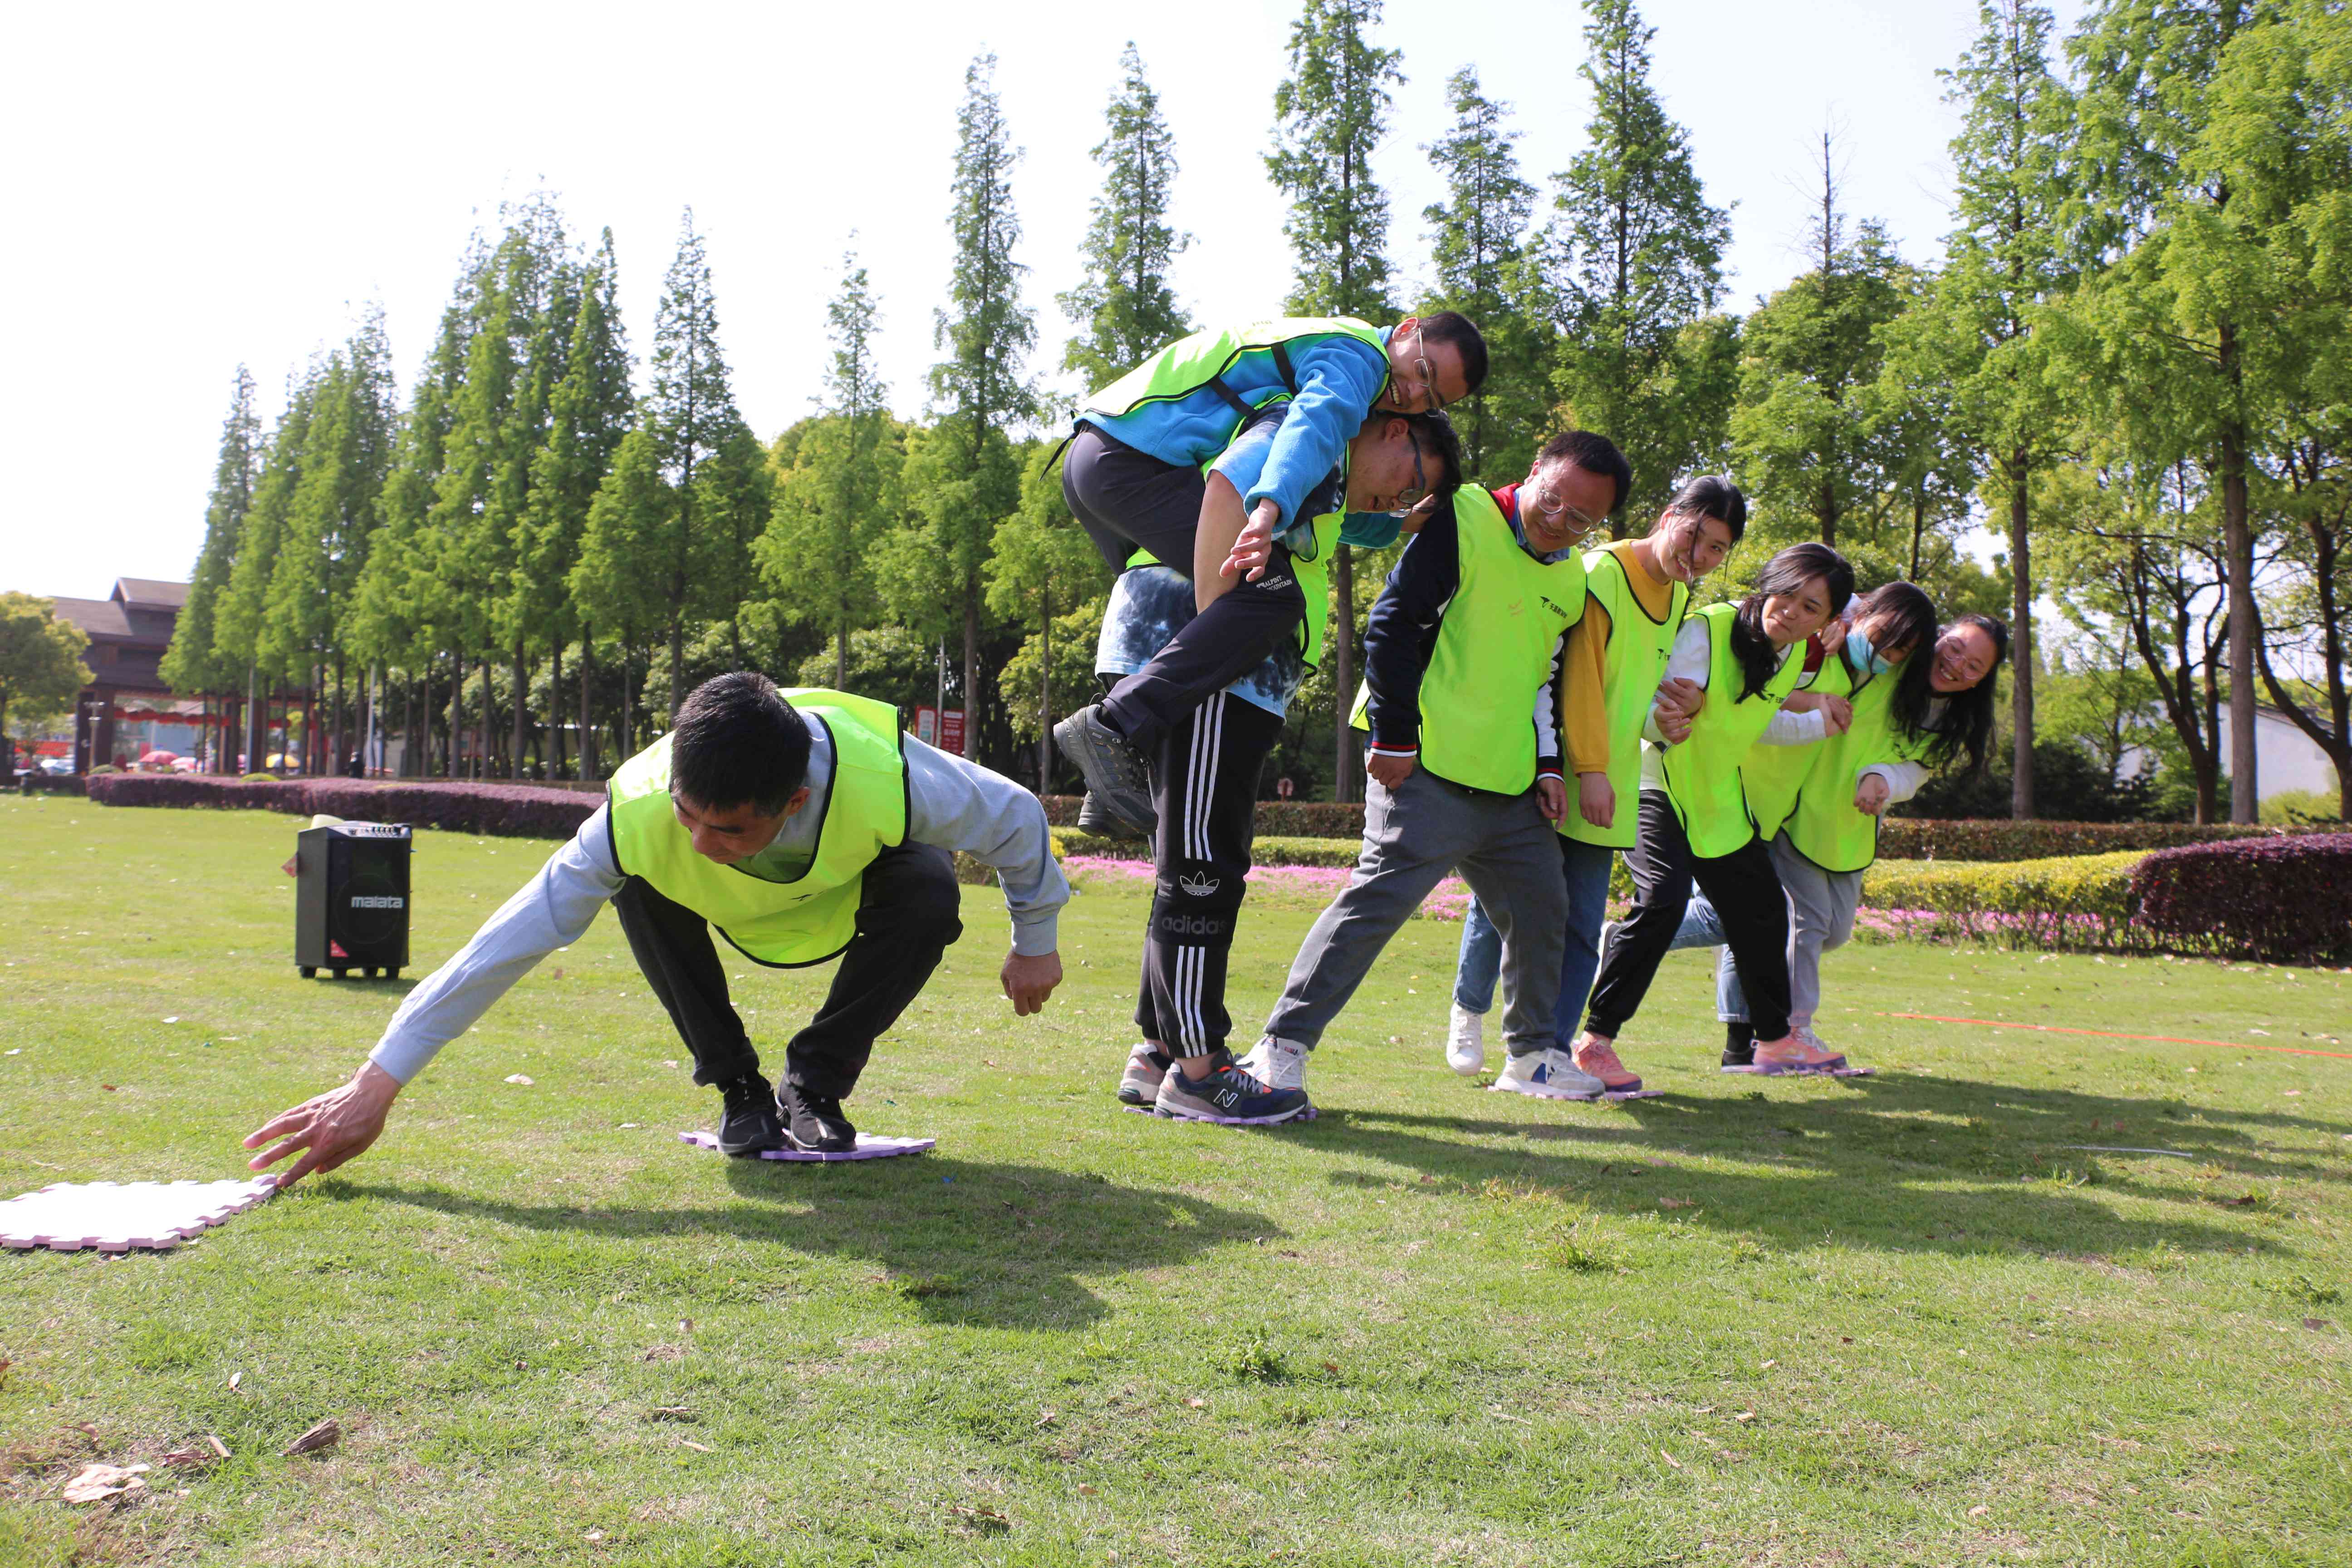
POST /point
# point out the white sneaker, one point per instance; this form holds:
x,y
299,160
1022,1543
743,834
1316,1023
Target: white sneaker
x,y
1550,1074
1277,1064
1466,1042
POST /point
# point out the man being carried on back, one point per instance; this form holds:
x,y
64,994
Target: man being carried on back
x,y
1135,477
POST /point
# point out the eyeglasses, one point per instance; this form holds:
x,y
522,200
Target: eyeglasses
x,y
1537,497
1958,664
1423,401
1408,499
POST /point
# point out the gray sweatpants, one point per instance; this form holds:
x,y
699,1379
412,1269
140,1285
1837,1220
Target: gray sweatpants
x,y
1820,917
1413,836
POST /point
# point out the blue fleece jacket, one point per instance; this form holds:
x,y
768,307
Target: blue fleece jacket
x,y
1338,378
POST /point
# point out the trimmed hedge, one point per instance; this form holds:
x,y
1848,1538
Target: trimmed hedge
x,y
505,811
2284,901
2080,901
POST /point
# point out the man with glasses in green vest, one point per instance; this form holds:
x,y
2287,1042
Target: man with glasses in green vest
x,y
1459,656
1135,477
801,826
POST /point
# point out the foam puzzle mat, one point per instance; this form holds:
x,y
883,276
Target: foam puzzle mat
x,y
117,1216
869,1147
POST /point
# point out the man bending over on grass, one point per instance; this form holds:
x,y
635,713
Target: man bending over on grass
x,y
801,825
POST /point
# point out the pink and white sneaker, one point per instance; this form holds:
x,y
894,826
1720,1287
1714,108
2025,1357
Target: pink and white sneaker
x,y
1598,1058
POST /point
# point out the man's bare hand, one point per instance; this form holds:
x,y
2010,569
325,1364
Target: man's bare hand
x,y
1596,799
1387,768
329,1129
1029,980
1551,798
1870,796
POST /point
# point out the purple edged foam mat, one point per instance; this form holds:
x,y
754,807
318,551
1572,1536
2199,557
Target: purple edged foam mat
x,y
1309,1114
111,1216
869,1147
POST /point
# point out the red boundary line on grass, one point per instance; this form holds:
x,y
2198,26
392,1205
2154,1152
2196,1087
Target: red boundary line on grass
x,y
2110,1035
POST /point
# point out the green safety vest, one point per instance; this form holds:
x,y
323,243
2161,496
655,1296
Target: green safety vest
x,y
1703,773
1824,828
1775,773
1492,652
1313,572
782,924
1188,364
1632,666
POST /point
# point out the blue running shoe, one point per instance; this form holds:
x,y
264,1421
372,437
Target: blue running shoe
x,y
1228,1096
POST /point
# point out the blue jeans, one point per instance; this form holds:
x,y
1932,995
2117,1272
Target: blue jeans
x,y
1586,868
1702,927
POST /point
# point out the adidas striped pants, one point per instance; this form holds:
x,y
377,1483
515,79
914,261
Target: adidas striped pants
x,y
1205,777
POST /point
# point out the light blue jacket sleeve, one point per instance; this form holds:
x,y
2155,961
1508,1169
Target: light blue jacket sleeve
x,y
1338,378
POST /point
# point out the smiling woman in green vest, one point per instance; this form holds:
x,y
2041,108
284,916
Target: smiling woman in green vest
x,y
1913,714
800,827
1697,821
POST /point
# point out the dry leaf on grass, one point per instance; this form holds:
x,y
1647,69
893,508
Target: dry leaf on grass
x,y
97,1483
1980,1511
325,1434
1670,1458
522,1079
1677,1203
1194,1404
218,1447
664,1352
670,1413
187,1458
698,1448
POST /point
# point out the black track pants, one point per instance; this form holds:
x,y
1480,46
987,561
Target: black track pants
x,y
907,917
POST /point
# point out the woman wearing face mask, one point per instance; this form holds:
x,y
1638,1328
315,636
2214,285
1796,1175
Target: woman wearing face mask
x,y
1694,818
1912,716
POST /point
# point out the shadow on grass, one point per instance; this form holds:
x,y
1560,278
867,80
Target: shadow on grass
x,y
993,1246
1899,1161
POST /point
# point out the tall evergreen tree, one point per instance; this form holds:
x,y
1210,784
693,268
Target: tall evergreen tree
x,y
834,498
195,661
588,414
2009,260
1803,432
971,481
1124,307
1478,247
1635,269
1044,564
1330,114
240,621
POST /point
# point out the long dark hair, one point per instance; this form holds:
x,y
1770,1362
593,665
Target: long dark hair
x,y
1967,715
1784,573
1910,618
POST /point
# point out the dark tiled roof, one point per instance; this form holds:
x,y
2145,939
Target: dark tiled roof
x,y
99,617
149,594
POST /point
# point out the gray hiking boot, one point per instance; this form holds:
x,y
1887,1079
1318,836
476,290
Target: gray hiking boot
x,y
1094,817
1114,774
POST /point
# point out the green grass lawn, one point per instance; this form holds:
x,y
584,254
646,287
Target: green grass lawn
x,y
1885,1321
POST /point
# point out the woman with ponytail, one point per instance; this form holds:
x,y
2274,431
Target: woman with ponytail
x,y
1730,672
1912,714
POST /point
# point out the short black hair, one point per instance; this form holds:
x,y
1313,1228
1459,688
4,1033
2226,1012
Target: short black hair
x,y
1595,454
1715,496
739,742
1456,329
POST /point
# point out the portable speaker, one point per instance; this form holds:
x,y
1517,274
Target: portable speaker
x,y
351,899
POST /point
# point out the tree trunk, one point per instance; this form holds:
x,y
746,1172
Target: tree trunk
x,y
677,668
2020,644
342,736
254,738
2245,629
971,667
1344,765
588,769
489,722
522,714
456,711
555,709
1046,699
628,710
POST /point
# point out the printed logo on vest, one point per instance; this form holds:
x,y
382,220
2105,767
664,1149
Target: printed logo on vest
x,y
1548,605
1199,887
1518,606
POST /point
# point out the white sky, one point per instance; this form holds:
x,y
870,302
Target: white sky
x,y
188,187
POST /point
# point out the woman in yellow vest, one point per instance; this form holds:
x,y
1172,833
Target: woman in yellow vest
x,y
1911,715
1696,820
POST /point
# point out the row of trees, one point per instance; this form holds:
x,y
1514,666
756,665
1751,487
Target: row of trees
x,y
2131,360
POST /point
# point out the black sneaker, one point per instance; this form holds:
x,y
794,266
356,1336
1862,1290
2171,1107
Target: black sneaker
x,y
1739,1047
1119,779
814,1122
1095,818
748,1124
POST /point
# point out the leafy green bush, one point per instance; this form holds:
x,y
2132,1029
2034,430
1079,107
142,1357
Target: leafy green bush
x,y
2079,901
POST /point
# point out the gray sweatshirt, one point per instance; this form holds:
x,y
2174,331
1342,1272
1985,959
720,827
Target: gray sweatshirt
x,y
950,802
